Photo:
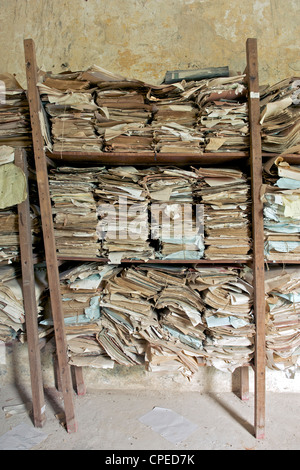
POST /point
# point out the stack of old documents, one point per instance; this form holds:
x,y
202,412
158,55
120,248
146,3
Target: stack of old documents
x,y
81,290
282,286
175,222
280,116
227,315
69,102
12,314
223,114
174,122
74,210
123,210
15,130
282,211
225,194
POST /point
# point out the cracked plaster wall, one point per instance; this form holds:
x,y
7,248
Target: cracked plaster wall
x,y
144,38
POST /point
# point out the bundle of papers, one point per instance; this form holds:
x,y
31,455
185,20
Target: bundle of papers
x,y
225,194
74,211
282,212
282,287
175,222
227,316
15,130
280,116
69,102
12,314
223,114
81,287
122,207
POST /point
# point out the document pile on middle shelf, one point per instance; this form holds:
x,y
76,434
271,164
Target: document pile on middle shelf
x,y
225,194
281,197
74,210
176,222
167,318
122,207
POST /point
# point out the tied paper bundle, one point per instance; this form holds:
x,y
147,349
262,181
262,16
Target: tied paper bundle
x,y
12,314
122,207
68,100
127,310
74,210
225,194
81,290
175,222
227,296
223,114
123,112
282,210
15,129
280,116
282,287
175,119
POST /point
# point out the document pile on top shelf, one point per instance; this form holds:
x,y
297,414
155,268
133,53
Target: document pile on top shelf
x,y
281,210
223,114
175,118
280,116
122,206
15,130
69,102
225,194
12,314
175,222
282,287
227,297
74,210
123,115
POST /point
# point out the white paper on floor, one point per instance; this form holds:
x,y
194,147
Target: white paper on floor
x,y
172,426
22,437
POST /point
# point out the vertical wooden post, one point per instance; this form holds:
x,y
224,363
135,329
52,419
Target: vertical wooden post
x,y
48,233
257,235
29,300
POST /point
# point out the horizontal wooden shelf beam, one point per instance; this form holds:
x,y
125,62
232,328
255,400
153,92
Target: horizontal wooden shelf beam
x,y
156,261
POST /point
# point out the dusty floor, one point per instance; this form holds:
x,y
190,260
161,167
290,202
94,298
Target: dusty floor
x,y
109,420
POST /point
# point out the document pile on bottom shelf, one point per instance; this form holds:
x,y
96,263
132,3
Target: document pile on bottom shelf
x,y
167,318
12,314
74,211
282,287
282,211
225,194
122,207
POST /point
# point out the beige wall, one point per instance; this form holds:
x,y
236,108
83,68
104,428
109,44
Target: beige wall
x,y
144,38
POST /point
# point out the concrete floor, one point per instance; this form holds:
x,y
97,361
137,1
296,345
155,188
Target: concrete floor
x,y
109,420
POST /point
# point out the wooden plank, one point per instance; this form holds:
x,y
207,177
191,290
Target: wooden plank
x,y
147,158
29,300
48,234
258,236
157,261
244,383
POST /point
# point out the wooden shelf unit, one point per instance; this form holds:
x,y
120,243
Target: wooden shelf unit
x,y
254,158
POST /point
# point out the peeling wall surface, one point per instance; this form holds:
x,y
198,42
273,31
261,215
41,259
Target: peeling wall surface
x,y
145,38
